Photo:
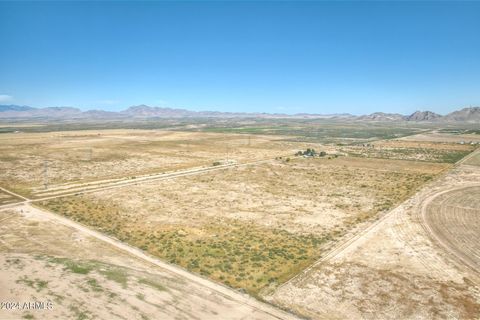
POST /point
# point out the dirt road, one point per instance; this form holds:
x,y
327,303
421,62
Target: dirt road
x,y
119,183
372,228
268,310
104,185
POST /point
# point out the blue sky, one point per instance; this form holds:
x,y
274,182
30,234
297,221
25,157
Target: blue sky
x,y
290,57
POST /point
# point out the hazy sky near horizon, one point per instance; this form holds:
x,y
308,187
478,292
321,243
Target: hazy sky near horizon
x,y
288,57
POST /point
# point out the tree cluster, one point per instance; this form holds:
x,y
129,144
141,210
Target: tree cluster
x,y
311,153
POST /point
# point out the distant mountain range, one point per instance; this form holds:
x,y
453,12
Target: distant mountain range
x,y
13,112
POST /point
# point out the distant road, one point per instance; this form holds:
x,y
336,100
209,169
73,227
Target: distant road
x,y
90,187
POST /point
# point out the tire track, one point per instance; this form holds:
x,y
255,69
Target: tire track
x,y
462,257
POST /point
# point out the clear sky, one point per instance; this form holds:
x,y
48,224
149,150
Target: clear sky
x,y
290,57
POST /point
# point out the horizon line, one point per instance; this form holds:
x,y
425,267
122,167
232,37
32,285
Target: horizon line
x,y
124,108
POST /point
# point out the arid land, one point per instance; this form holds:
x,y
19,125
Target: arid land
x,y
143,221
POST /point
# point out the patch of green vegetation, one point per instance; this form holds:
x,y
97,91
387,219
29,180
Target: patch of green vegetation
x,y
57,298
453,156
247,255
317,130
78,313
85,267
460,130
241,255
416,154
28,316
43,125
93,283
37,284
152,283
79,267
117,275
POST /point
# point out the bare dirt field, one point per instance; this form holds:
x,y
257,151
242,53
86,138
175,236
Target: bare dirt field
x,y
474,160
83,277
75,156
397,269
453,218
251,227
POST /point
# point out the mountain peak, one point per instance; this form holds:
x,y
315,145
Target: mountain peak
x,y
147,111
423,116
382,116
471,114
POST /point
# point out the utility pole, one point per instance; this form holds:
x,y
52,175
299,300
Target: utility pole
x,y
45,174
226,143
227,152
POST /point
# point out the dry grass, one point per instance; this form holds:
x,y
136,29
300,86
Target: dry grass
x,y
378,294
242,255
80,156
412,150
6,198
395,270
86,278
251,227
474,161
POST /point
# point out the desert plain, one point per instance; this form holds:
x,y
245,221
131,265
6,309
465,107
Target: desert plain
x,y
241,221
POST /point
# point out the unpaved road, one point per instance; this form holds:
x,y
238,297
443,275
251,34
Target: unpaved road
x,y
353,241
112,184
108,184
395,269
467,252
14,194
269,311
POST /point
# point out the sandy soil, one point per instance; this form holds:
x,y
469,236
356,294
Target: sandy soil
x,y
257,216
395,270
250,227
443,137
301,196
84,277
92,155
474,160
453,218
